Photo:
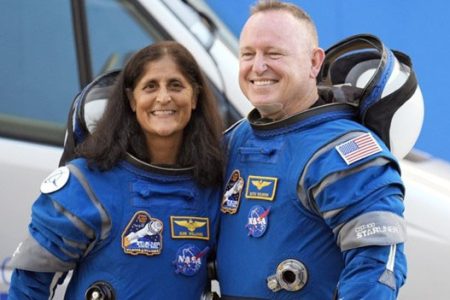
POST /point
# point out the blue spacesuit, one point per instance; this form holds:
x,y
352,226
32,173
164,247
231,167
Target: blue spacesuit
x,y
319,214
136,231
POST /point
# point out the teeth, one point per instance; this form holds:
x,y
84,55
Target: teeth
x,y
263,82
163,112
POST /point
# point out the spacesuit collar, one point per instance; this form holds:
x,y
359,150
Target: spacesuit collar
x,y
310,117
164,170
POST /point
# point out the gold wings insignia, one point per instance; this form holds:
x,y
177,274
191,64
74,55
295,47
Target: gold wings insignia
x,y
260,183
190,225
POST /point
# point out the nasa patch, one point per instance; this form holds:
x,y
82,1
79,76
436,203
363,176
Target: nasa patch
x,y
232,196
55,181
143,235
188,259
258,220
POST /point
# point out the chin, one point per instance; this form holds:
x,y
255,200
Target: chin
x,y
261,98
166,133
266,104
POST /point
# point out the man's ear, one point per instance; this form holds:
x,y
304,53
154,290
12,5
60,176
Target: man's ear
x,y
317,57
131,99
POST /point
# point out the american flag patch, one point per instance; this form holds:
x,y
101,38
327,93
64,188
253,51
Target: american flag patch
x,y
358,148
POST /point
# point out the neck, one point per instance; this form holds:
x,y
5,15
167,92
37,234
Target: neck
x,y
300,105
163,150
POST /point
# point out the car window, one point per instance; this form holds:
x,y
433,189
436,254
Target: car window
x,y
116,30
39,72
38,66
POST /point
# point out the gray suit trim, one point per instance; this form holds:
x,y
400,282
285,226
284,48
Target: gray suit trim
x,y
31,256
376,228
339,175
388,276
54,284
75,220
74,244
332,213
308,202
106,221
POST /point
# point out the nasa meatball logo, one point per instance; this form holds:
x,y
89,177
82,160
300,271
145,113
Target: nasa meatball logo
x,y
188,259
258,220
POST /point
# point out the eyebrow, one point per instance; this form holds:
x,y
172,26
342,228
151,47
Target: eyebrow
x,y
269,48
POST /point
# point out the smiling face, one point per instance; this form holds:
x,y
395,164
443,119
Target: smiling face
x,y
278,64
163,100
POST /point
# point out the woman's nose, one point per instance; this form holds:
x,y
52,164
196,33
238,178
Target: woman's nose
x,y
163,96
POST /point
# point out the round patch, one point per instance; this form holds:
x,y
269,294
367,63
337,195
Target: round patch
x,y
189,259
258,220
55,181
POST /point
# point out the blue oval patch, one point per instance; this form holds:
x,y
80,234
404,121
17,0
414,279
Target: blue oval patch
x,y
257,221
188,259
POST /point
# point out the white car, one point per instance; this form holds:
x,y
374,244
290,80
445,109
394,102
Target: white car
x,y
50,49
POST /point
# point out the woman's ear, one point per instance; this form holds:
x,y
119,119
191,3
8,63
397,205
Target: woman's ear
x,y
131,99
195,98
194,103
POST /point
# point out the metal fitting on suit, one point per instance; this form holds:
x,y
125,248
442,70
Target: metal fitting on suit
x,y
100,290
291,275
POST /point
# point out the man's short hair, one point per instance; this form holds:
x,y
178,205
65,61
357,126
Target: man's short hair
x,y
294,10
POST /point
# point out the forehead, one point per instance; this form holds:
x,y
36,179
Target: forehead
x,y
165,66
273,27
163,63
161,69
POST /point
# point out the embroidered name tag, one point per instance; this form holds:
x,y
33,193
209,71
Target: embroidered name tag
x,y
187,227
260,187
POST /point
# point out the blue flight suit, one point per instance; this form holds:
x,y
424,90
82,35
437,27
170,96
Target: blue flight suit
x,y
319,189
144,230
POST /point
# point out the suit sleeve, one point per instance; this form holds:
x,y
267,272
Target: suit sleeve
x,y
27,285
65,226
362,203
